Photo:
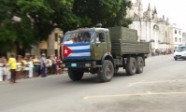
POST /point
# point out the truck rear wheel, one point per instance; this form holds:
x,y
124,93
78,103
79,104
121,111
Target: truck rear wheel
x,y
107,71
140,65
131,66
75,75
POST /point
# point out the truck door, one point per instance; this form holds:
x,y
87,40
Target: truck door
x,y
100,47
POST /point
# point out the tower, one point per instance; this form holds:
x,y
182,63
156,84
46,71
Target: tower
x,y
149,11
137,8
154,14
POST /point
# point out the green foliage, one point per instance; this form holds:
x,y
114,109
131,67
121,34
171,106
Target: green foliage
x,y
108,12
40,17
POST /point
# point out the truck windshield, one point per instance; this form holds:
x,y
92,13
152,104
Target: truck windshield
x,y
74,37
180,49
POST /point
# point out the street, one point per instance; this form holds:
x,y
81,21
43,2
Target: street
x,y
160,88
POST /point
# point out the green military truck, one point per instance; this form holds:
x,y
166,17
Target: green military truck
x,y
103,51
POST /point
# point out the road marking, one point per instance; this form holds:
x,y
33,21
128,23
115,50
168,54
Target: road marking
x,y
136,94
152,82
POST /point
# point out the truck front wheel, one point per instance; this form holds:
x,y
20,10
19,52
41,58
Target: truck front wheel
x,y
140,65
107,71
131,66
75,75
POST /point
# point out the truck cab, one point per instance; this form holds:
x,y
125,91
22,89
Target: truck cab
x,y
84,49
86,44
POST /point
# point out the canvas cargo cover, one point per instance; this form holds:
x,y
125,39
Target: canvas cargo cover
x,y
122,33
120,48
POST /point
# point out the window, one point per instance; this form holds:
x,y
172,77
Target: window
x,y
180,39
101,37
179,49
176,39
82,36
175,31
180,32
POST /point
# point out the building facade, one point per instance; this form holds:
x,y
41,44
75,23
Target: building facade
x,y
50,46
150,27
184,38
177,36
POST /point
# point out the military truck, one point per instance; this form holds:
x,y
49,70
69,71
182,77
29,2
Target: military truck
x,y
103,51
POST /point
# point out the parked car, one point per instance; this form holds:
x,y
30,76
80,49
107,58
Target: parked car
x,y
180,52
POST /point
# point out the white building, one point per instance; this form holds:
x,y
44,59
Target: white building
x,y
177,36
150,27
184,38
50,46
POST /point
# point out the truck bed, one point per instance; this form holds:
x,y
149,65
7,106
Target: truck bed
x,y
126,34
120,48
124,41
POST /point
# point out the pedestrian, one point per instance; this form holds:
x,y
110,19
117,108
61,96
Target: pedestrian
x,y
36,63
6,69
30,67
25,67
13,67
43,65
19,67
1,69
49,65
58,65
54,69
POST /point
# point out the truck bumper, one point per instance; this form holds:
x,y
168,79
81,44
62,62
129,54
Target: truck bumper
x,y
82,64
179,57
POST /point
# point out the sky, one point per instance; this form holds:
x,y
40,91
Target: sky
x,y
175,10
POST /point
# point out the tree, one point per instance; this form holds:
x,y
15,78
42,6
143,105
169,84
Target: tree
x,y
108,12
37,19
7,31
25,22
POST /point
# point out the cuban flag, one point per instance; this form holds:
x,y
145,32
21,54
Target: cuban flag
x,y
79,50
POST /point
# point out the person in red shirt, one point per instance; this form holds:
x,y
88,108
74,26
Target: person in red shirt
x,y
58,65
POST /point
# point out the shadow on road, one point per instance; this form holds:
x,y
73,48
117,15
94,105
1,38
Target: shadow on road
x,y
93,79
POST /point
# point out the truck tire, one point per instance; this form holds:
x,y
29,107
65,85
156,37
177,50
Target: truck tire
x,y
131,66
107,71
75,75
140,65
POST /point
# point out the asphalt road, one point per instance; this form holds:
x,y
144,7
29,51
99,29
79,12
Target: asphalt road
x,y
160,88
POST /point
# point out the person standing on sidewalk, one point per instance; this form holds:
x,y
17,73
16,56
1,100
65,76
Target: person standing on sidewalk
x,y
19,67
36,63
54,69
31,67
58,66
1,69
6,69
43,65
12,63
